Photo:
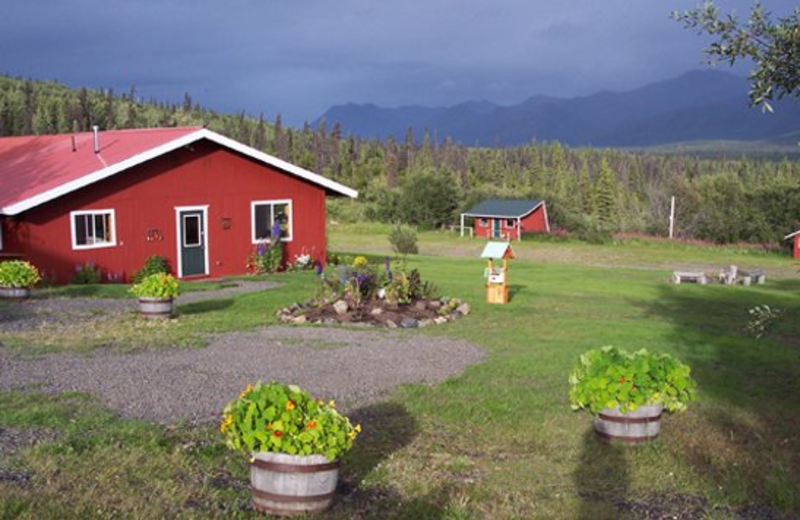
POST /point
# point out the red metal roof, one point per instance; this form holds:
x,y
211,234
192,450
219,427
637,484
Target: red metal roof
x,y
31,166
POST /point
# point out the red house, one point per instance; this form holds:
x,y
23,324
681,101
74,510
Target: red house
x,y
115,198
507,219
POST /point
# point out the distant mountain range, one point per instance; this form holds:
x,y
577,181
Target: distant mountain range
x,y
705,105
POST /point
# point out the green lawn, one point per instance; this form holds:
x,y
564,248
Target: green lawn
x,y
500,441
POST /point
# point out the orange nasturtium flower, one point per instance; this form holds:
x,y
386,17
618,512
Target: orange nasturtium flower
x,y
277,433
226,423
311,424
247,390
290,405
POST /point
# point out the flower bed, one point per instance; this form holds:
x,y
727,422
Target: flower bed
x,y
360,293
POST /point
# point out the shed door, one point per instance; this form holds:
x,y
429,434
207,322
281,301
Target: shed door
x,y
496,228
192,242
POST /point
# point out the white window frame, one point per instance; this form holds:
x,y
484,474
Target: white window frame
x,y
509,223
93,213
272,204
483,221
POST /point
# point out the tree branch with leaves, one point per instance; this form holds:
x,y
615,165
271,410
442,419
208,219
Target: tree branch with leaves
x,y
772,45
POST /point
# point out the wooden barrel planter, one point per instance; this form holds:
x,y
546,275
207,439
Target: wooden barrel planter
x,y
15,293
289,485
641,425
155,308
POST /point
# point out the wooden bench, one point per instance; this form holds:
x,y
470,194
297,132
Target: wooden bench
x,y
757,276
688,276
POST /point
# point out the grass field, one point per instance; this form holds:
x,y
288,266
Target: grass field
x,y
499,441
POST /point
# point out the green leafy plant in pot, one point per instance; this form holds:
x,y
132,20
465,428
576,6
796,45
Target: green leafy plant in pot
x,y
156,293
628,392
294,442
17,277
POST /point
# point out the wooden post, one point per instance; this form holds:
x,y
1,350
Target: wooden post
x,y
462,225
672,217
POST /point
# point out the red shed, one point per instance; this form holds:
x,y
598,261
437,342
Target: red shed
x,y
795,243
508,219
115,198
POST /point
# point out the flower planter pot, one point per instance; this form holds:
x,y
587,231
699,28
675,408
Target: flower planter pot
x,y
289,485
155,308
641,425
15,293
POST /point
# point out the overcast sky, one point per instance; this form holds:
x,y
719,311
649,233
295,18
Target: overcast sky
x,y
300,57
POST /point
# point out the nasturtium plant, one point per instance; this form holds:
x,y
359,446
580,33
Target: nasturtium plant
x,y
286,419
609,377
157,285
18,274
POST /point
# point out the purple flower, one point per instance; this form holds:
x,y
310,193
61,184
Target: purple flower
x,y
318,268
261,249
388,268
276,229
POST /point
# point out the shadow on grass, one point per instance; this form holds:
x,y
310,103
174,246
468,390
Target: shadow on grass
x,y
602,478
744,435
205,306
514,289
387,428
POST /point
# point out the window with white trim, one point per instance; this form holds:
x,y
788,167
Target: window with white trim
x,y
265,215
483,222
93,229
510,222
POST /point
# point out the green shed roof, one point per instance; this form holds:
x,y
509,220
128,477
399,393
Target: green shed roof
x,y
504,208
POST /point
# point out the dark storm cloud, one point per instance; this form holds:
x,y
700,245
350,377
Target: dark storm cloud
x,y
299,58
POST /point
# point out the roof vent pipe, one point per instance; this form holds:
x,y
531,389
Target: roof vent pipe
x,y
96,130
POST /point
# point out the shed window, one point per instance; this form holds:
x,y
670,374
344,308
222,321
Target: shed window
x,y
93,229
483,222
510,222
265,213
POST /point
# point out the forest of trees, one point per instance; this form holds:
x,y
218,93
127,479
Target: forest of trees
x,y
426,181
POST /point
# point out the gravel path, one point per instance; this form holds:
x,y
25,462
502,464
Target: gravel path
x,y
37,311
351,366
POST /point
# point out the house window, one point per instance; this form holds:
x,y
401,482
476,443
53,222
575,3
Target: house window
x,y
265,213
93,229
510,222
483,222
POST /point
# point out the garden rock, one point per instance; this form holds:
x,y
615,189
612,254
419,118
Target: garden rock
x,y
463,309
340,307
409,323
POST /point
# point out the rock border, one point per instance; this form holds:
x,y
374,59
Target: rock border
x,y
376,313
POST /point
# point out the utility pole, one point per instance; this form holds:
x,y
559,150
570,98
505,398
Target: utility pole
x,y
672,218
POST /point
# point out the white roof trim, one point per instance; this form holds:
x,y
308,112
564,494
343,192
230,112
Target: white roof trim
x,y
790,235
504,216
165,148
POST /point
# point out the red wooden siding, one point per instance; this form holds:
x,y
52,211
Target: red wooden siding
x,y
144,199
796,248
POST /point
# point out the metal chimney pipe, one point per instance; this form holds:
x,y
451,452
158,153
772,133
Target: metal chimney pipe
x,y
96,130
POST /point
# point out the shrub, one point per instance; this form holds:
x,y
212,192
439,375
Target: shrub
x,y
285,419
87,273
158,285
154,264
762,318
266,258
18,274
609,377
403,240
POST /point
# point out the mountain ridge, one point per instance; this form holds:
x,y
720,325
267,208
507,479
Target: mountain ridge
x,y
702,105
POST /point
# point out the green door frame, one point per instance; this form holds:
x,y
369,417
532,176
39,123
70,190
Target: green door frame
x,y
198,245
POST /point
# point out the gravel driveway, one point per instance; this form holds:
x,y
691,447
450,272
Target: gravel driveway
x,y
351,366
